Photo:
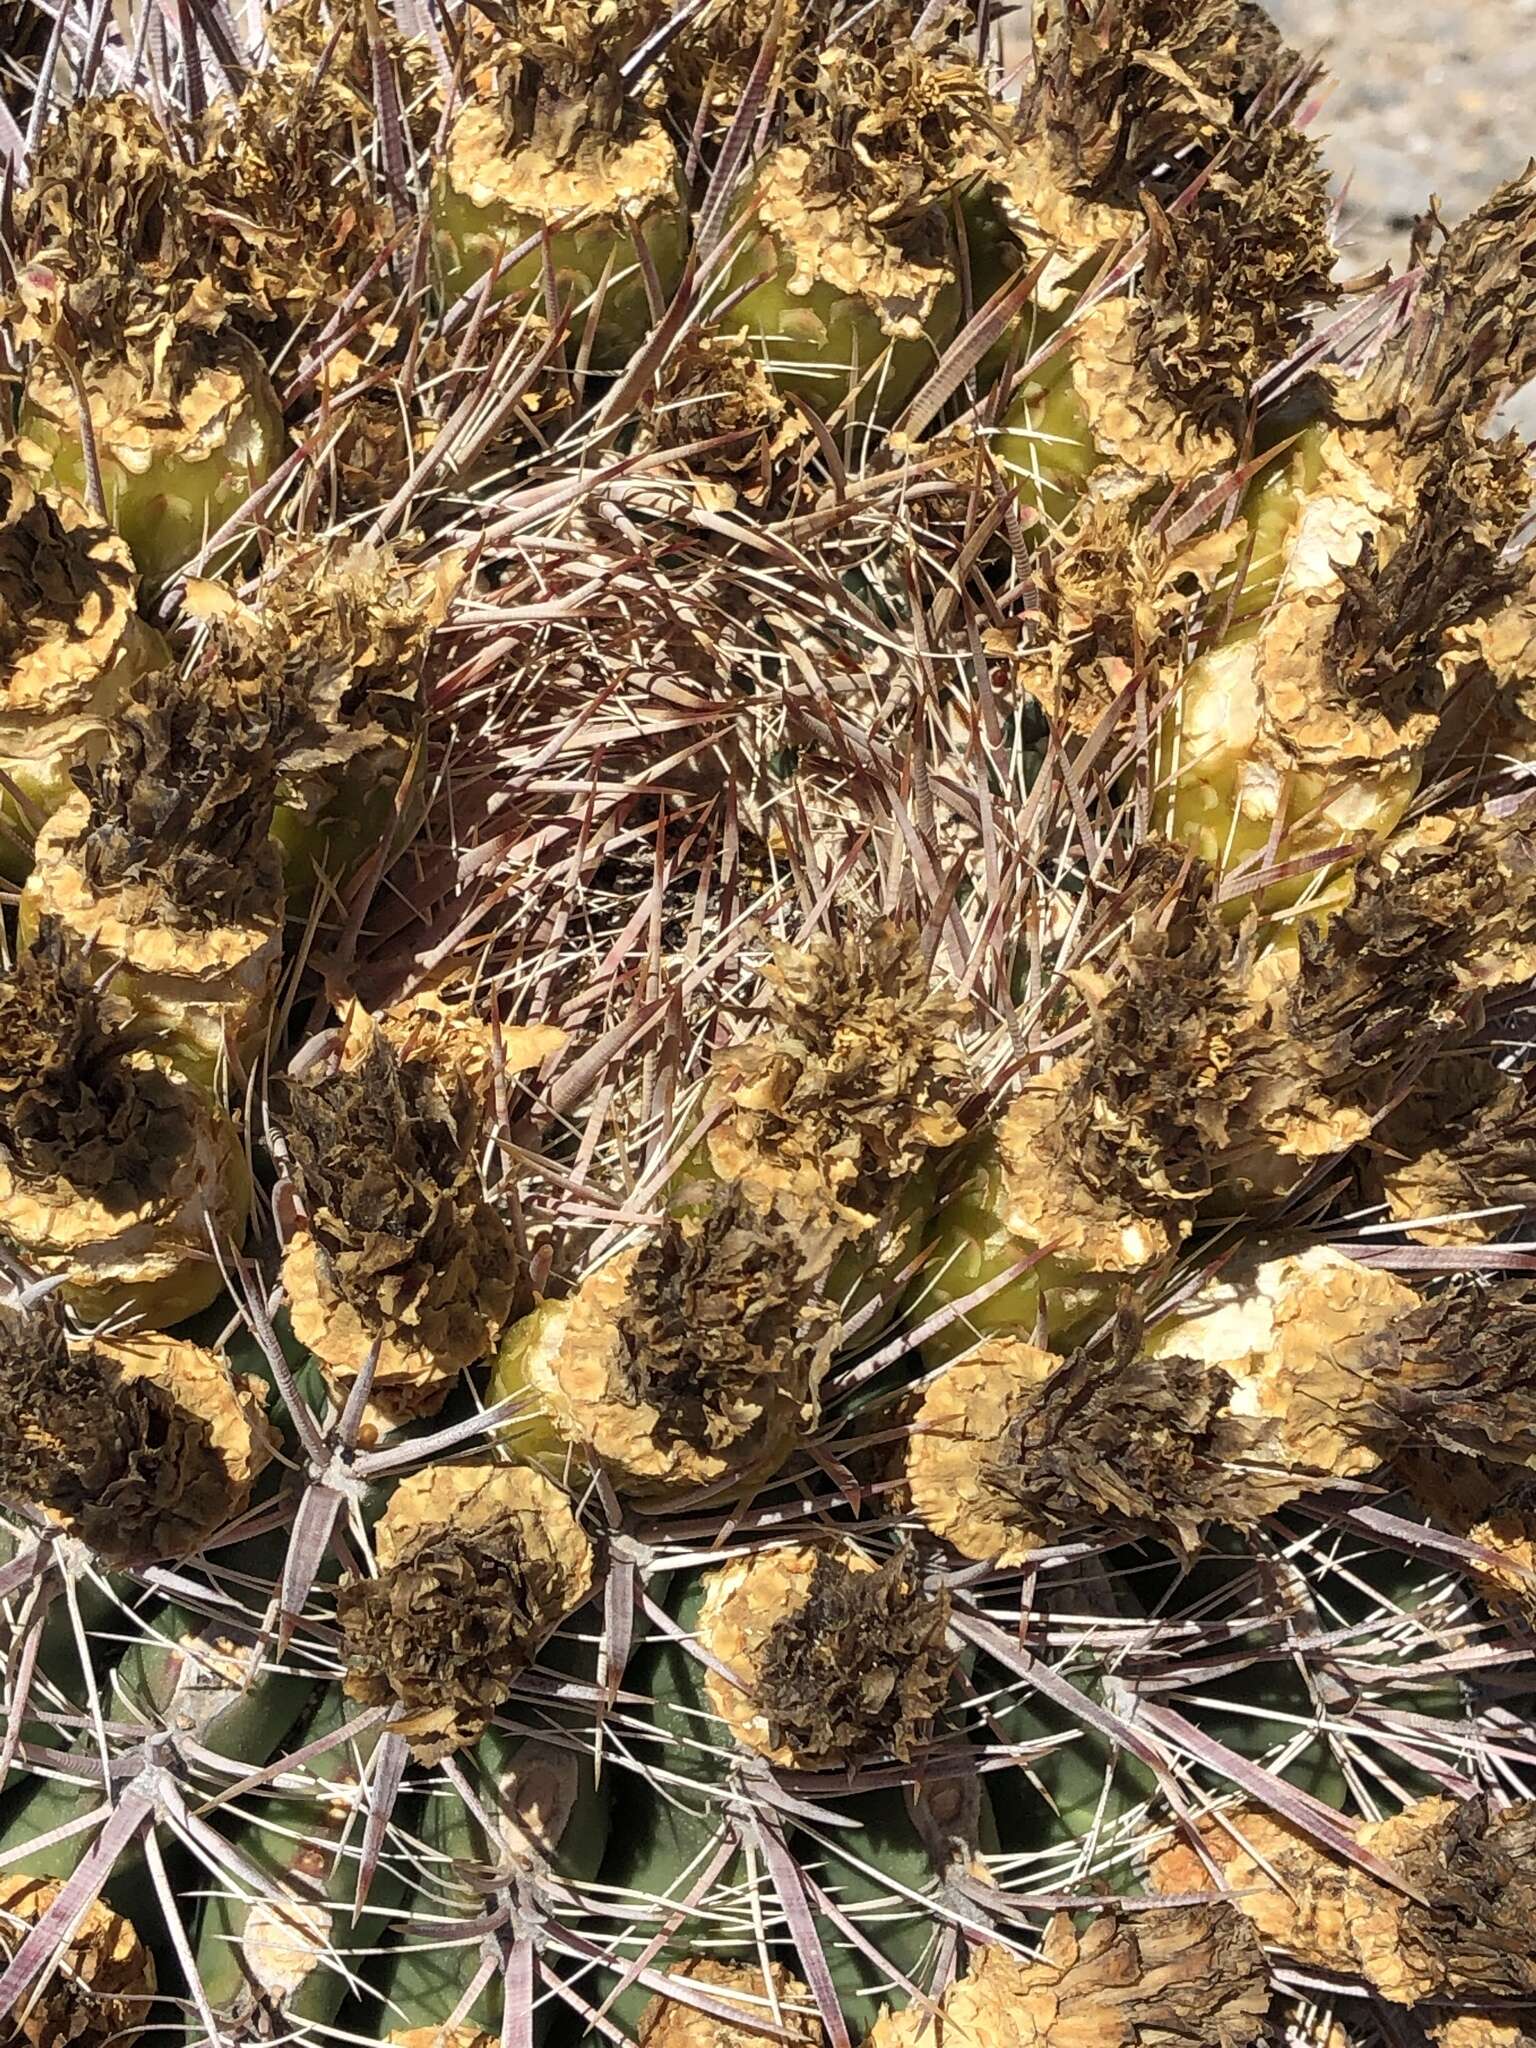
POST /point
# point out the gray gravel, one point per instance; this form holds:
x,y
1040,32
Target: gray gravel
x,y
1426,99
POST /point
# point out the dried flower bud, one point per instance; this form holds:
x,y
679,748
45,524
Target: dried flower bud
x,y
894,96
161,860
966,1418
1114,604
114,1169
337,640
1491,1502
554,140
834,1659
713,390
694,1358
1472,1349
399,1247
1106,1155
478,1564
99,1990
141,1446
70,643
1144,1980
1308,1341
840,1096
1459,1153
1466,1933
765,2004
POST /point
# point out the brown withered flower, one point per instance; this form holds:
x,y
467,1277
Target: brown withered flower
x,y
1118,93
336,638
140,1446
100,1990
1111,118
1436,920
1127,1980
846,1087
1458,1153
162,861
1106,1155
1470,339
778,2001
1148,1445
1466,1933
834,1659
1472,1344
283,158
398,1247
1230,275
70,643
713,390
1162,382
693,1358
477,1564
114,1168
1113,604
133,292
1308,1342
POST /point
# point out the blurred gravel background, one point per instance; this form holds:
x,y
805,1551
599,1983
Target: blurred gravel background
x,y
1425,98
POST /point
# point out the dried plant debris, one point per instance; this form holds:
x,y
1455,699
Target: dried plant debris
x,y
1149,1445
103,1981
1187,1973
1114,607
478,1564
775,2000
1106,1155
850,1084
833,1658
693,1358
1473,1347
1458,1928
1455,1163
115,1169
141,1446
401,1257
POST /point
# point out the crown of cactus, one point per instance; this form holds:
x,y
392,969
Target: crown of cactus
x,y
766,1141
